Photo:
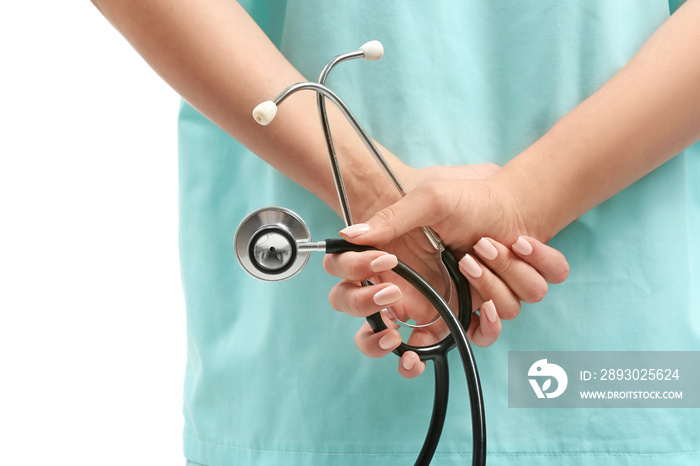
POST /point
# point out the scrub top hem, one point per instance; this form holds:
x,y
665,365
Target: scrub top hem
x,y
210,454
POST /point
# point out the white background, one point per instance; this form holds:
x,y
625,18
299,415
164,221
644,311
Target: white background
x,y
92,324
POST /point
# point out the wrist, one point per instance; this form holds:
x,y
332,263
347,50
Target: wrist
x,y
370,190
536,194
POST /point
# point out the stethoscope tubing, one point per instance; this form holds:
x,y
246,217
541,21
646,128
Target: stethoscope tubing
x,y
438,352
323,91
457,337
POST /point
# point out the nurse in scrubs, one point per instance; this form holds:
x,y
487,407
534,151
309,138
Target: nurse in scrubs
x,y
559,93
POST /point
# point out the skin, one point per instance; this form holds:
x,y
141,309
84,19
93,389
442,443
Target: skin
x,y
647,113
217,58
528,273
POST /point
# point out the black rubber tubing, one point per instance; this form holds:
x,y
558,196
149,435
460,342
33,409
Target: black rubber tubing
x,y
438,352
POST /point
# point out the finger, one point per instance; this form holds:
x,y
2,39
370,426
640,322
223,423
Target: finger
x,y
410,365
362,301
525,281
358,266
490,287
549,262
422,206
376,345
485,328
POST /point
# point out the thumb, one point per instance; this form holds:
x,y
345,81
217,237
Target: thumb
x,y
420,207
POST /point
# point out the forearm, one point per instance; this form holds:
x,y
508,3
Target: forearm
x,y
217,58
647,113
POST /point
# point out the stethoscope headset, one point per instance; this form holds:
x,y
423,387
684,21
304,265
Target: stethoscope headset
x,y
274,243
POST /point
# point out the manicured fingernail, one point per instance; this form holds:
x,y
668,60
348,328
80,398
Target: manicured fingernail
x,y
490,309
522,246
355,230
390,340
470,266
383,263
486,250
408,362
388,295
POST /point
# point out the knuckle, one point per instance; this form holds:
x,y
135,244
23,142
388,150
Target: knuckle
x,y
348,265
561,274
490,168
357,269
387,218
536,292
501,265
328,263
540,292
509,310
488,285
361,343
556,269
386,215
333,298
538,261
355,303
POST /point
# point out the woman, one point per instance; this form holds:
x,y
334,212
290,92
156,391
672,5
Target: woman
x,y
270,379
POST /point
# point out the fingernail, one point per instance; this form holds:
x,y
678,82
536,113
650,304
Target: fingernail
x,y
390,340
522,246
486,250
383,263
490,309
408,362
388,295
355,230
470,266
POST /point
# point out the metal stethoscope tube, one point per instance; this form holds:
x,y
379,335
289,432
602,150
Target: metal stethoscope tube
x,y
274,244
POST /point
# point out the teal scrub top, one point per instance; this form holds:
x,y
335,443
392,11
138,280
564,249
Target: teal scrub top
x,y
273,376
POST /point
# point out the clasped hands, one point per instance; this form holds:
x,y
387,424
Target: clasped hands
x,y
480,221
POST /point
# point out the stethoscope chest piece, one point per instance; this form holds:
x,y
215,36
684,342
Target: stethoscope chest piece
x,y
266,244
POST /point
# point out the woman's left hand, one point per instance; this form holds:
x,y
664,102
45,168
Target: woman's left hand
x,y
500,279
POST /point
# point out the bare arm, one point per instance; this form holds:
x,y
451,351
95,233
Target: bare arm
x,y
217,58
647,113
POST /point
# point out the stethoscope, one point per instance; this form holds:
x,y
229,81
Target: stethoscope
x,y
274,243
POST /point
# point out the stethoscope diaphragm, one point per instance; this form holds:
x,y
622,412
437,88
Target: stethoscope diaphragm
x,y
266,244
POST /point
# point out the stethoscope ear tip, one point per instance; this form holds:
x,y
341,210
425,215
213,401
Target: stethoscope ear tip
x,y
265,112
373,50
